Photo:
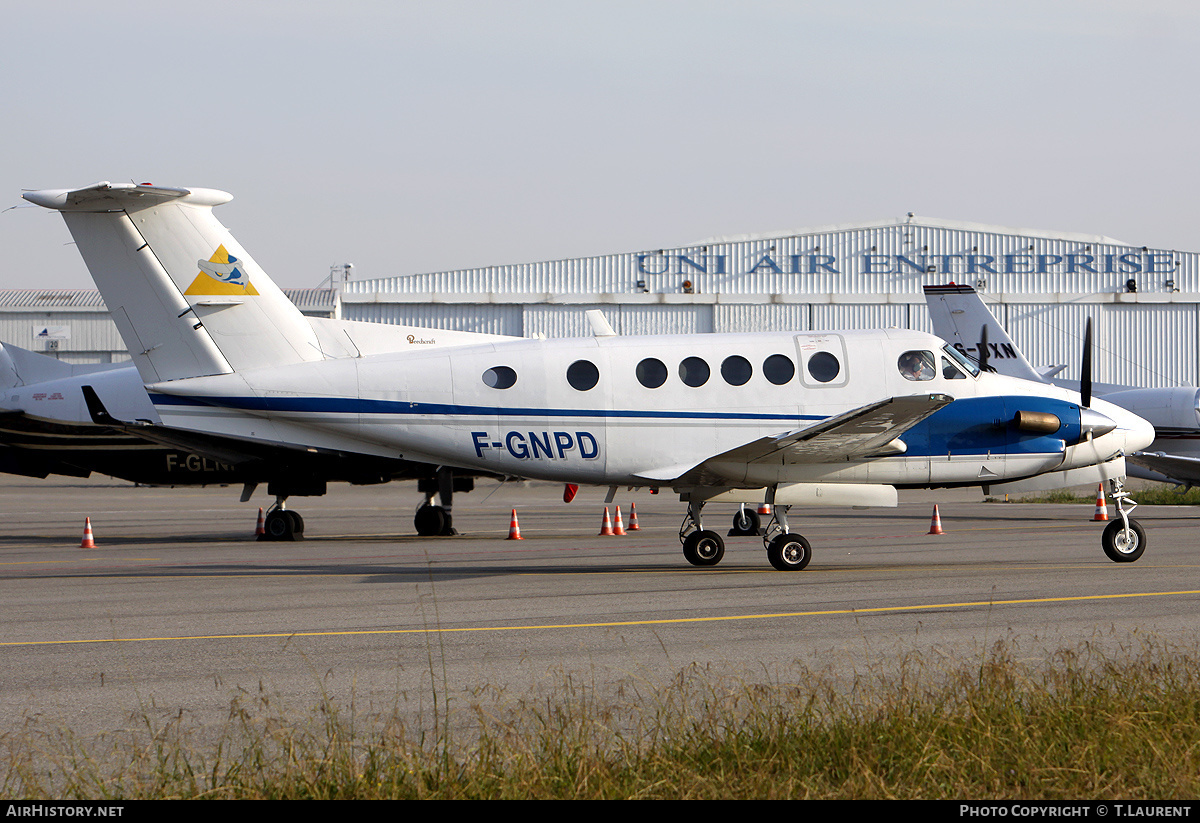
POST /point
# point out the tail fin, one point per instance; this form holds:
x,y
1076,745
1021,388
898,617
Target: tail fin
x,y
959,317
184,294
21,367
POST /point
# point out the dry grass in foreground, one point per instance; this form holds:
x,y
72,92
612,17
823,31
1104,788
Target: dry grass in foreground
x,y
1081,725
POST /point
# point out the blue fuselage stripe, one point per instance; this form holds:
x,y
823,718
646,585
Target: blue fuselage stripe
x,y
354,405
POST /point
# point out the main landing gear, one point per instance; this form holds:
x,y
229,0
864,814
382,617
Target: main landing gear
x,y
786,551
1123,540
281,523
700,546
431,520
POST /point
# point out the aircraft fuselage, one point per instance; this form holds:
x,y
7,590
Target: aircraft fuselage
x,y
620,410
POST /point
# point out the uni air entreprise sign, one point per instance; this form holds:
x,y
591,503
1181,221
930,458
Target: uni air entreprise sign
x,y
1134,262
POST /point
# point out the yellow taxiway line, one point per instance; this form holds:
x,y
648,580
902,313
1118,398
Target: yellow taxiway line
x,y
969,604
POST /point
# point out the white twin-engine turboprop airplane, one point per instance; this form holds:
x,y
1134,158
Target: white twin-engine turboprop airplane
x,y
817,419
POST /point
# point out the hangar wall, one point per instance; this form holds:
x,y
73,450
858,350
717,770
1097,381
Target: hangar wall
x,y
74,325
1043,285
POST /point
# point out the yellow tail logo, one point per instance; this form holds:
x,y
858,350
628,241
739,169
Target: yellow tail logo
x,y
221,274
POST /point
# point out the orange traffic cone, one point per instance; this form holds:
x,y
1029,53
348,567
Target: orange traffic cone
x,y
935,525
633,526
1101,505
606,529
619,529
764,508
514,530
260,528
88,541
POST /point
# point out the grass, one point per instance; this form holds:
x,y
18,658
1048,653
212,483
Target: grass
x,y
1081,723
1157,495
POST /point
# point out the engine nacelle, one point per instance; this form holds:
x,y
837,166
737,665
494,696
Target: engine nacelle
x,y
1166,409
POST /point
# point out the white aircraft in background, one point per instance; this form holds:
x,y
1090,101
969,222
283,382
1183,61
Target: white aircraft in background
x,y
52,421
961,317
817,419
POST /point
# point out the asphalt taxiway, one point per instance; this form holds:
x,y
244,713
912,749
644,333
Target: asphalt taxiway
x,y
179,610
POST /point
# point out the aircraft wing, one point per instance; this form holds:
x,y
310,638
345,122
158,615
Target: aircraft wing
x,y
1176,467
859,433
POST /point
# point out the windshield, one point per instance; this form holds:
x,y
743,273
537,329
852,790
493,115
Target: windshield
x,y
964,361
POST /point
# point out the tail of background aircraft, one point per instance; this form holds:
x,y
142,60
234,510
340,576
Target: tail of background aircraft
x,y
959,316
19,367
186,297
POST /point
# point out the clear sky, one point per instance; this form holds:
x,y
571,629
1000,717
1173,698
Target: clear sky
x,y
408,137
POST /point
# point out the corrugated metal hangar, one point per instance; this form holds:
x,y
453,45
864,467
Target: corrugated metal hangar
x,y
1041,284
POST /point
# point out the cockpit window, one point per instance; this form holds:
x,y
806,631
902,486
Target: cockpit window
x,y
958,357
917,365
950,371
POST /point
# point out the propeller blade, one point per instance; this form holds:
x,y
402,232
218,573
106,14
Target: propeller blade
x,y
983,349
1085,371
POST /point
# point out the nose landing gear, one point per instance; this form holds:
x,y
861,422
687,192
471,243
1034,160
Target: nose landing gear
x,y
1124,539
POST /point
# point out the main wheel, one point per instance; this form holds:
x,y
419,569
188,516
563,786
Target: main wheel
x,y
703,548
1120,547
789,552
279,525
430,520
297,522
745,522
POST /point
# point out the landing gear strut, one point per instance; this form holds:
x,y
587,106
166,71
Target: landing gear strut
x,y
700,547
1123,540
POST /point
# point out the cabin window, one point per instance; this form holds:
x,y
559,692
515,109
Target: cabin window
x,y
824,367
651,373
736,370
583,375
916,365
779,369
693,372
499,377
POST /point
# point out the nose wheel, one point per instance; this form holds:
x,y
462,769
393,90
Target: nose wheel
x,y
1124,539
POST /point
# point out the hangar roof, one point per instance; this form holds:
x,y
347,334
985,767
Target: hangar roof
x,y
919,220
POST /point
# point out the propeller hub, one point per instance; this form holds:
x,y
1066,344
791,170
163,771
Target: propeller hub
x,y
1095,424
